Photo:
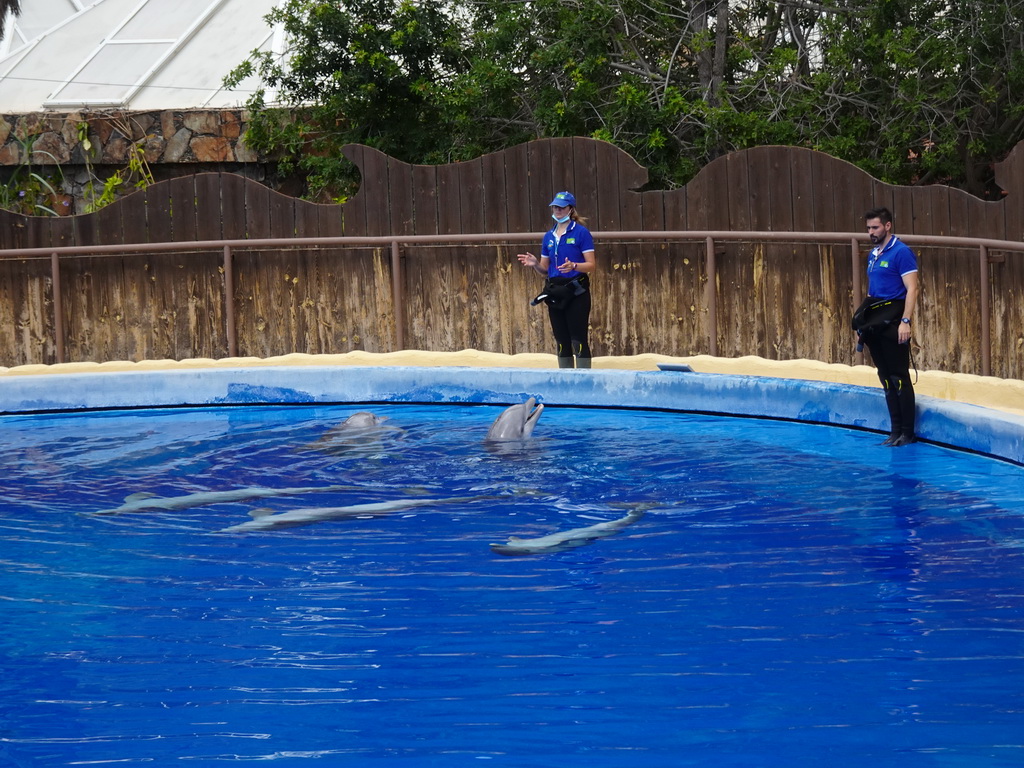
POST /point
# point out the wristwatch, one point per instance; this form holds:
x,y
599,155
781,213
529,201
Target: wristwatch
x,y
905,320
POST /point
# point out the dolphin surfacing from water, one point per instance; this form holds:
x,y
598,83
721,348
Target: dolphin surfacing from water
x,y
516,422
361,434
148,502
268,520
557,542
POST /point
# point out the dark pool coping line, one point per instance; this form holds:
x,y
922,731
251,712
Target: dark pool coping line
x,y
959,425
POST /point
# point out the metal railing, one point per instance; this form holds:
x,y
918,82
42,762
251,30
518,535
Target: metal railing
x,y
711,238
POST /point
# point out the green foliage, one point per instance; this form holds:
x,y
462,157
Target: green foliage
x,y
30,192
137,171
910,90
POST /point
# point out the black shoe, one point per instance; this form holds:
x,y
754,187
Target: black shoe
x,y
904,440
891,439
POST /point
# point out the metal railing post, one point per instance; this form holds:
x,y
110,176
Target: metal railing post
x,y
58,307
986,322
711,296
398,294
230,326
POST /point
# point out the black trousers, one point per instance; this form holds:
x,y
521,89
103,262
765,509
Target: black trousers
x,y
570,326
893,362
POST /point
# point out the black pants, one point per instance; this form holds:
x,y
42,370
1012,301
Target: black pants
x,y
893,362
570,327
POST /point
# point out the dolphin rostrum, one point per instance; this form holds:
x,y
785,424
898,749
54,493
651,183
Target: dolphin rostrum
x,y
516,422
575,537
268,520
145,502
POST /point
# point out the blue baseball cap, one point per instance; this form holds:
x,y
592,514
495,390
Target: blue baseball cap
x,y
563,200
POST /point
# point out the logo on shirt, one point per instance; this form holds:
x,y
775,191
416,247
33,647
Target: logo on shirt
x,y
883,264
570,240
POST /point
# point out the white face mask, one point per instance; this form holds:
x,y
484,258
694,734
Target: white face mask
x,y
560,220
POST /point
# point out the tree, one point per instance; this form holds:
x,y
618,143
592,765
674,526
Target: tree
x,y
12,7
363,71
910,90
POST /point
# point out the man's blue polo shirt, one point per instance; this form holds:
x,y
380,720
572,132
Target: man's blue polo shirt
x,y
887,267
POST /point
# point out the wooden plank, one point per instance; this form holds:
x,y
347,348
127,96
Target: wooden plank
x,y
255,278
494,186
586,184
400,195
1009,175
563,172
784,190
542,186
182,193
476,286
425,192
517,189
737,180
14,227
278,277
374,193
159,217
16,348
763,187
608,210
208,205
675,204
34,314
472,198
822,183
233,204
449,209
354,209
802,179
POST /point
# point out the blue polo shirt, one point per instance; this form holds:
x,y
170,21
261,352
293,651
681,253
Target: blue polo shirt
x,y
887,267
571,247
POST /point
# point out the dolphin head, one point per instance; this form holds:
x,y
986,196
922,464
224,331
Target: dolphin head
x,y
516,422
363,420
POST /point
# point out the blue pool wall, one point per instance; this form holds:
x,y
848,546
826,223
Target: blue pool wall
x,y
969,427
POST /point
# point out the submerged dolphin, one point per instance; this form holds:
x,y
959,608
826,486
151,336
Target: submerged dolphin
x,y
268,520
362,433
556,542
516,422
144,502
362,420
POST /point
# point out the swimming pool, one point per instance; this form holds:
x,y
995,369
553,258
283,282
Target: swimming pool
x,y
793,593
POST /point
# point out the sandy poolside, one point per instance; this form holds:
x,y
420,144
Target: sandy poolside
x,y
1002,394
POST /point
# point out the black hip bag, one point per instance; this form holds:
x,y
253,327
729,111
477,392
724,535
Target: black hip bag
x,y
875,317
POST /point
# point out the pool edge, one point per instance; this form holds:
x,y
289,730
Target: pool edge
x,y
959,425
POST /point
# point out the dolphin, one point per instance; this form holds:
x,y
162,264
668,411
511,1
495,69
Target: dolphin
x,y
145,502
268,520
362,420
516,422
360,434
575,537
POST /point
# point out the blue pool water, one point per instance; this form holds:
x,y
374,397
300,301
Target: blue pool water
x,y
795,595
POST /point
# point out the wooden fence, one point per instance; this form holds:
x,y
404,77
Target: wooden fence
x,y
775,299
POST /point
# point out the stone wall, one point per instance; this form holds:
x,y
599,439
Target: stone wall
x,y
172,143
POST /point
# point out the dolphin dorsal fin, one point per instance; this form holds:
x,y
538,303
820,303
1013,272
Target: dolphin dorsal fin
x,y
256,514
140,496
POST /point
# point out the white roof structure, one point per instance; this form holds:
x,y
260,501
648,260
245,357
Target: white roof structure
x,y
139,55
